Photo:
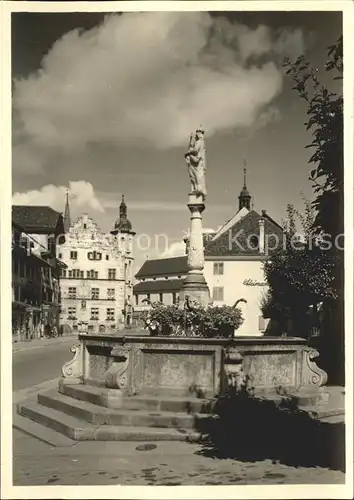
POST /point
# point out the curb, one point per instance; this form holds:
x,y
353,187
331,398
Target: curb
x,y
44,344
33,390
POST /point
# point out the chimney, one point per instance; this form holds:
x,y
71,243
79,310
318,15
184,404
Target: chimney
x,y
261,235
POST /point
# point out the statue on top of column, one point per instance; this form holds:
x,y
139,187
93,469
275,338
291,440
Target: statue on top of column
x,y
195,159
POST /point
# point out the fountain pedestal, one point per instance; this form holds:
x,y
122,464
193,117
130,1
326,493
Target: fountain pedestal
x,y
195,287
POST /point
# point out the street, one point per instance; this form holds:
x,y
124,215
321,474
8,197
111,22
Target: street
x,y
35,363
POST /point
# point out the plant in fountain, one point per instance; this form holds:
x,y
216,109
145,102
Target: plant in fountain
x,y
212,322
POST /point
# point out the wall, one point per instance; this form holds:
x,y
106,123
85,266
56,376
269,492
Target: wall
x,y
233,282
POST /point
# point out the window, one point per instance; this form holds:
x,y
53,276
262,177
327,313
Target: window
x,y
218,268
85,226
72,312
95,293
136,300
94,255
70,274
94,313
254,242
60,256
76,273
110,293
73,255
107,257
92,274
63,273
218,293
111,274
160,297
72,292
148,296
261,324
110,314
174,298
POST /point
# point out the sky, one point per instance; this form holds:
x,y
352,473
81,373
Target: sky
x,y
103,104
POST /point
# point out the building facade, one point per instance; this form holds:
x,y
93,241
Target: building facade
x,y
97,285
234,260
36,299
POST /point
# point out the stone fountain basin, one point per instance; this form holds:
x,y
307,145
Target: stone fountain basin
x,y
198,367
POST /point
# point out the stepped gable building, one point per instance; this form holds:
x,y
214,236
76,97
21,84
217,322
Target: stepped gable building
x,y
234,257
97,286
36,300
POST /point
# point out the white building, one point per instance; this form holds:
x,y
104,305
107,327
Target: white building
x,y
96,287
234,258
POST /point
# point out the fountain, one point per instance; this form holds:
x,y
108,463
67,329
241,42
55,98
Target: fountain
x,y
154,386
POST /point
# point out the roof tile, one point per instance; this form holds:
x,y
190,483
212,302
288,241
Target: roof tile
x,y
35,218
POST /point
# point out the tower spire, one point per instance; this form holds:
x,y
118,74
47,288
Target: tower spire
x,y
67,218
244,173
245,197
123,224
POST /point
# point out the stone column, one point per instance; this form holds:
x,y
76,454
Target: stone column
x,y
195,286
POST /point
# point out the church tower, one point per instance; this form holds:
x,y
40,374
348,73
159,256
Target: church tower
x,y
245,197
123,235
123,230
67,218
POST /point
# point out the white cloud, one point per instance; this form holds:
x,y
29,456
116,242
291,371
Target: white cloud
x,y
176,249
148,77
82,197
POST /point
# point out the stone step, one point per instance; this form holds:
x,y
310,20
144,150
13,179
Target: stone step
x,y
97,415
83,431
109,398
300,398
58,421
321,412
38,431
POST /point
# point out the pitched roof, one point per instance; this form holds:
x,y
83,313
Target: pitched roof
x,y
172,266
37,218
231,222
158,286
236,240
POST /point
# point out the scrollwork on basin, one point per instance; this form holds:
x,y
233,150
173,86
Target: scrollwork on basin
x,y
116,376
313,374
73,369
234,370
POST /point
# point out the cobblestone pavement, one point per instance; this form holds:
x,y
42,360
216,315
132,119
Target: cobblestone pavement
x,y
113,463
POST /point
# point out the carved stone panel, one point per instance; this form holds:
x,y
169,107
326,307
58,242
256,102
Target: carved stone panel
x,y
271,369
